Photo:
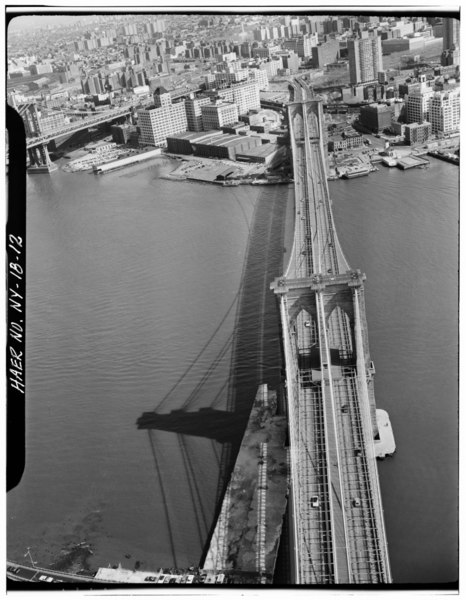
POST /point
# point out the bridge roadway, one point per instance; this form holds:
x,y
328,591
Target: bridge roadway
x,y
102,117
338,527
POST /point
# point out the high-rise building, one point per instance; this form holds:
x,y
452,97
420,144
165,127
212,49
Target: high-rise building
x,y
444,111
90,44
246,49
417,106
302,45
272,66
261,34
156,124
93,84
246,96
295,26
193,111
129,29
219,114
260,77
290,61
103,41
365,59
451,42
326,53
451,33
157,26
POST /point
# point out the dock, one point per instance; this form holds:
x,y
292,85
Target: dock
x,y
409,162
130,160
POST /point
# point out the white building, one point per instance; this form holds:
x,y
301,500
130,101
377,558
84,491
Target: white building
x,y
229,57
417,106
444,112
302,45
157,123
272,66
260,77
246,97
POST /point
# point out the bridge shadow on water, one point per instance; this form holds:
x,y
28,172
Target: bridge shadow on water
x,y
186,435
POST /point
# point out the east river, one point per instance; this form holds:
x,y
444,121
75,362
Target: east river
x,y
152,295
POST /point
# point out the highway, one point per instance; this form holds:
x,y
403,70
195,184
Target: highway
x,y
336,505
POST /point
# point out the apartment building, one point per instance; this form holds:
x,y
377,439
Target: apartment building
x,y
244,95
365,59
260,77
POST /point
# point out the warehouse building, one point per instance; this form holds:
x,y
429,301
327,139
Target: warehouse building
x,y
182,143
225,146
270,155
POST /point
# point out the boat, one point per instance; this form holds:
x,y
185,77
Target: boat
x,y
390,160
355,172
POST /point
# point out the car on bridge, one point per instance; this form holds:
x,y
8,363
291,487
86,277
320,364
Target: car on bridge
x,y
315,502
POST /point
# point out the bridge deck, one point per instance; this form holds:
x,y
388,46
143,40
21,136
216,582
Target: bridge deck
x,y
338,517
97,119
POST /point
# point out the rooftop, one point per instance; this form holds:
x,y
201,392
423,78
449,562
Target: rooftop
x,y
263,150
